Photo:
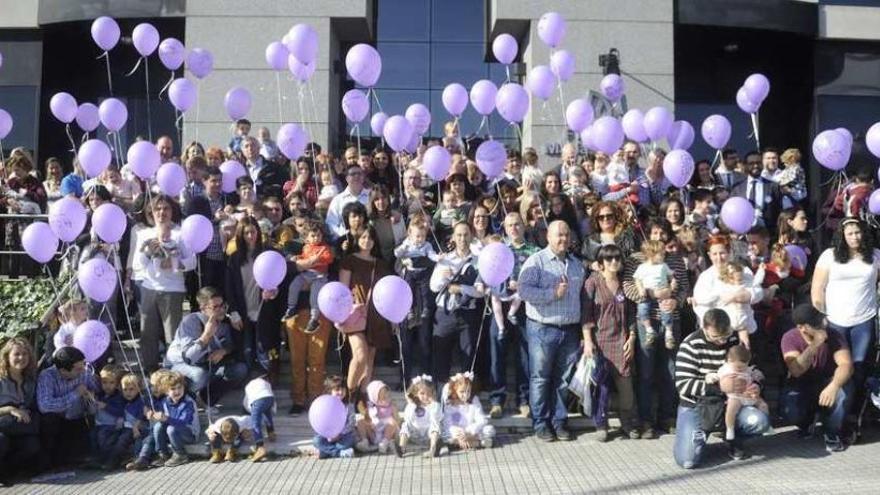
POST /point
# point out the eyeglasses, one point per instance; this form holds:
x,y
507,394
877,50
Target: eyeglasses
x,y
613,258
607,216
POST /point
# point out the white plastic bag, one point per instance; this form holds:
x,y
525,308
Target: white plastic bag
x,y
581,383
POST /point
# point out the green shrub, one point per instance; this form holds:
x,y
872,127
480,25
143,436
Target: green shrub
x,y
23,302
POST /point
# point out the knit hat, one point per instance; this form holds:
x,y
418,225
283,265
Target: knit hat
x,y
807,314
373,390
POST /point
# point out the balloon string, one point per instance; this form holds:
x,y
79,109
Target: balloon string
x,y
106,57
198,106
178,122
376,97
358,128
106,310
70,137
716,162
479,334
507,70
278,86
166,86
500,198
562,106
302,88
135,68
149,112
755,130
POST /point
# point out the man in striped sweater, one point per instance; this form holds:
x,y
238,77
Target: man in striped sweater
x,y
703,352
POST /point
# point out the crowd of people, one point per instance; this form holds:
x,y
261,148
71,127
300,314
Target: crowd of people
x,y
684,321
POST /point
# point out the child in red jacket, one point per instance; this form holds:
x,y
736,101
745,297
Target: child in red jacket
x,y
313,264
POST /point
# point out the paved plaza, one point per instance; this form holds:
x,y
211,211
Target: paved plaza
x,y
519,464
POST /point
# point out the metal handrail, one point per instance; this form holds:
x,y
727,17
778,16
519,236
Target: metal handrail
x,y
20,216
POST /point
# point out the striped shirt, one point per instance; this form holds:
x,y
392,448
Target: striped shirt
x,y
540,275
679,272
696,358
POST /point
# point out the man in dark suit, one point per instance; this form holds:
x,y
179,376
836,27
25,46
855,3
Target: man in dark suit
x,y
726,174
763,194
268,177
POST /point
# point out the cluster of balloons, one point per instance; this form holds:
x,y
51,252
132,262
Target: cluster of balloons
x,y
752,93
391,296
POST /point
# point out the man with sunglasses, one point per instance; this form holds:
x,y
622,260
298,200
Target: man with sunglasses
x,y
203,349
701,353
355,191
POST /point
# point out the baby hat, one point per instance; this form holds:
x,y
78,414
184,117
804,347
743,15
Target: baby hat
x,y
373,390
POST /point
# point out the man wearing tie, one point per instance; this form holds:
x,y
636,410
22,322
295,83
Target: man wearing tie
x,y
763,194
726,174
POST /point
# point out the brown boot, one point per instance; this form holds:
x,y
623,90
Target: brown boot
x,y
216,456
260,454
231,454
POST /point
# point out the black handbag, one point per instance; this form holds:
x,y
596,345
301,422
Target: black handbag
x,y
710,409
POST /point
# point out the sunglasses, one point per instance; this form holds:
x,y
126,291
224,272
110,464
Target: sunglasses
x,y
613,258
605,217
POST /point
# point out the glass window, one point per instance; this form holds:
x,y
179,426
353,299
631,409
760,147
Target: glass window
x,y
395,101
456,62
457,20
21,103
404,20
404,65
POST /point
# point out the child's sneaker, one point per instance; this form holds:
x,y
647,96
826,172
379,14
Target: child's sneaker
x,y
312,326
216,456
231,454
346,453
140,464
383,447
260,454
161,459
289,314
364,446
487,442
178,460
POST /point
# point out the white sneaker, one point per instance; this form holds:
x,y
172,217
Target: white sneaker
x,y
384,446
364,446
487,443
346,454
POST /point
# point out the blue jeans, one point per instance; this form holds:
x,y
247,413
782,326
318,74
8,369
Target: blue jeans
x,y
656,375
498,357
260,409
328,449
859,338
799,404
176,436
112,443
690,439
644,310
553,353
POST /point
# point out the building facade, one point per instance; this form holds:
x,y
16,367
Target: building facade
x,y
822,57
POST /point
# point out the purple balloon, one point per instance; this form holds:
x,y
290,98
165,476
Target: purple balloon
x,y
276,55
437,162
94,157
633,122
678,167
541,82
355,105
551,29
757,87
109,222
92,338
292,140
237,103
505,48
495,263
5,123
744,103
413,145
105,32
483,94
612,87
872,139
491,158
397,132
797,254
738,214
716,131
145,38
196,233
86,117
587,138
419,117
144,159
579,114
681,135
270,268
63,107
231,171
113,114
302,42
455,99
512,102
392,298
200,62
364,64
97,279
39,242
327,416
377,123
607,134
67,217
831,150
171,53
657,122
171,178
301,72
335,302
562,63
182,93
845,133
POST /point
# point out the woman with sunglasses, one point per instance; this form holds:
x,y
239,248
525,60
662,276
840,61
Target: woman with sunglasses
x,y
611,333
608,227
